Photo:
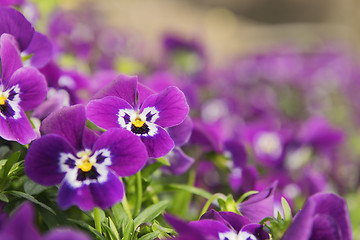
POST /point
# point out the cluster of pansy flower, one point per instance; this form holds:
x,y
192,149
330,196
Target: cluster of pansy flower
x,y
257,143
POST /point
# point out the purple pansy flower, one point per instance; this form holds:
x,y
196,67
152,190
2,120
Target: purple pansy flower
x,y
324,216
129,105
11,2
28,40
241,177
14,23
222,226
179,161
259,205
24,218
87,166
21,89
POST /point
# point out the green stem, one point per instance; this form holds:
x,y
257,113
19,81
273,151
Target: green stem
x,y
210,200
126,207
139,193
97,219
182,199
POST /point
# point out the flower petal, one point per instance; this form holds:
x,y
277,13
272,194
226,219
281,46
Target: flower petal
x,y
179,162
124,87
256,230
259,205
13,22
181,133
301,226
159,144
9,55
143,92
185,231
334,206
42,162
41,48
325,227
104,112
23,217
32,85
210,228
171,104
128,153
65,233
19,129
237,152
89,138
68,122
87,197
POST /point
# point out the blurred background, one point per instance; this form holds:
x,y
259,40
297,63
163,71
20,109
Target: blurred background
x,y
228,28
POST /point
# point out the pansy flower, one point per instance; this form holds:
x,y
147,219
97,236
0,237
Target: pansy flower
x,y
32,44
324,216
24,218
21,89
218,225
259,205
87,166
129,105
241,177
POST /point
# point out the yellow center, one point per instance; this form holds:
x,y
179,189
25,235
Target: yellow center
x,y
138,123
2,100
85,166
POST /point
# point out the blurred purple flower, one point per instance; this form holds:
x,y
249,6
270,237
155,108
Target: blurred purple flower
x,y
11,2
28,40
24,218
324,216
179,161
241,177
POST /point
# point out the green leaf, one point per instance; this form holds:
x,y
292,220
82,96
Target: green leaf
x,y
113,228
187,188
9,163
148,170
17,168
3,198
110,232
230,205
150,213
87,227
163,161
286,209
32,188
129,230
157,227
30,198
119,215
245,195
267,219
150,236
26,57
214,197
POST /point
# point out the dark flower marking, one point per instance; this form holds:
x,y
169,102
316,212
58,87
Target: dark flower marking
x,y
70,163
6,110
144,129
149,116
92,174
100,158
